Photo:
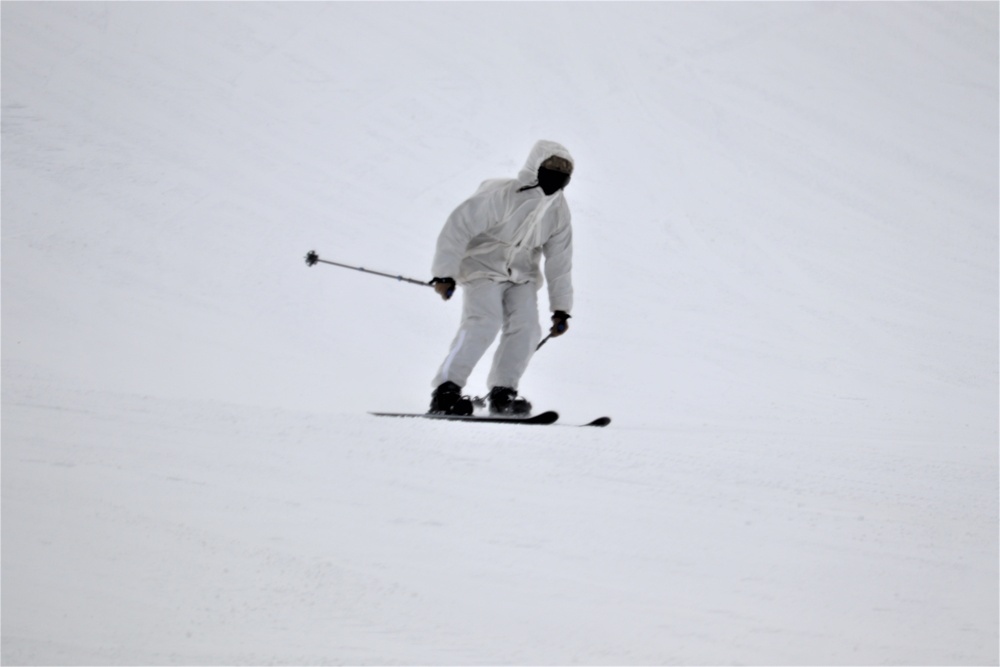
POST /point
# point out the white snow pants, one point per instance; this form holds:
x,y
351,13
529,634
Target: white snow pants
x,y
489,307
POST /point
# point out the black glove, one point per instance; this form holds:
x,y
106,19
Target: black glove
x,y
444,286
560,323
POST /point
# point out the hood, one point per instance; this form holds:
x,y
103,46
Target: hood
x,y
541,151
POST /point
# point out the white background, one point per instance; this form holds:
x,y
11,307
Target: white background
x,y
786,239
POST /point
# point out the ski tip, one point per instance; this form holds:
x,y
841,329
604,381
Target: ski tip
x,y
548,417
600,421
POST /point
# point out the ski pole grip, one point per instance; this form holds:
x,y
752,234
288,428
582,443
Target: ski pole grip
x,y
443,286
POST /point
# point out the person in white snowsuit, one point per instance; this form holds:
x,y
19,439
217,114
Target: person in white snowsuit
x,y
492,245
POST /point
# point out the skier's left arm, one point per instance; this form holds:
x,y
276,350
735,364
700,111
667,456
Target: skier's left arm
x,y
558,251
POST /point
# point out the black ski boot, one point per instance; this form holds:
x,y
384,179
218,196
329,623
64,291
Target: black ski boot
x,y
504,401
448,400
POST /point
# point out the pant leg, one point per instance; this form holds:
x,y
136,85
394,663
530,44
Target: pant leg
x,y
482,317
521,333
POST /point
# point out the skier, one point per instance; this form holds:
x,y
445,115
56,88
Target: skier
x,y
491,245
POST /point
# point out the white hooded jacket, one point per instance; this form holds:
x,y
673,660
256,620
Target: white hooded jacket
x,y
501,232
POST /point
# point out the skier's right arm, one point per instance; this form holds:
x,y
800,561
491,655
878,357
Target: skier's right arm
x,y
470,219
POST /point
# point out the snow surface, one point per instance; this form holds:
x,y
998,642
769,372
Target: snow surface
x,y
786,225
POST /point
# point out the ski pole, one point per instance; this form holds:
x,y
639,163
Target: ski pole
x,y
556,330
312,259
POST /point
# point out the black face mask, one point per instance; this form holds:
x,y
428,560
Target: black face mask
x,y
552,181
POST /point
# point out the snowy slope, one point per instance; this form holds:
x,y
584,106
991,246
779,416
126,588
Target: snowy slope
x,y
786,247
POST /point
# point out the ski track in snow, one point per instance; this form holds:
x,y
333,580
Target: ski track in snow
x,y
785,223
